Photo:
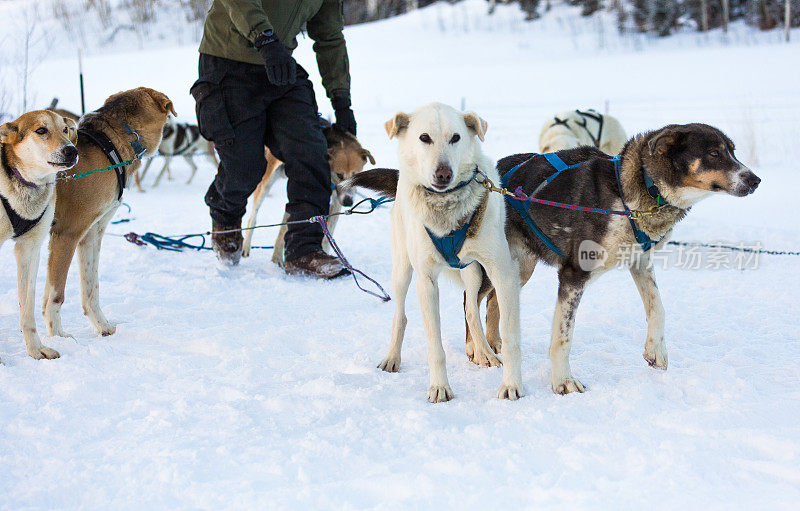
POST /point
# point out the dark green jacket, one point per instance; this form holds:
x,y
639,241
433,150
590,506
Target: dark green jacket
x,y
232,26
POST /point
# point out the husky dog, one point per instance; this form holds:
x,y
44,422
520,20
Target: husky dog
x,y
661,173
126,127
439,204
179,139
346,158
33,149
571,129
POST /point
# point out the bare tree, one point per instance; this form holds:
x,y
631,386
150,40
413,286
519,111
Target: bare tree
x,y
787,16
31,36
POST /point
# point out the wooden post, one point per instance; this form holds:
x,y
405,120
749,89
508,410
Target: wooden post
x,y
787,15
725,15
704,14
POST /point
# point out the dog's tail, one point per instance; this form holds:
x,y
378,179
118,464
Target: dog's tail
x,y
380,180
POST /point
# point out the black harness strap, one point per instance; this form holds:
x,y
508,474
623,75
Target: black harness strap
x,y
591,114
20,225
102,141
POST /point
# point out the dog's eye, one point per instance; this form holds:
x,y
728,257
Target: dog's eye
x,y
340,176
456,138
425,138
42,130
713,153
66,130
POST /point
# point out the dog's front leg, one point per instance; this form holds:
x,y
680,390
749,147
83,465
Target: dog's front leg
x,y
655,349
478,349
89,260
401,279
571,283
280,241
139,178
333,217
428,296
62,248
503,272
27,254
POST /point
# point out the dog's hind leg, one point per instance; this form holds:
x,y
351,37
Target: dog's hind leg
x,y
503,272
165,168
191,163
27,254
62,248
280,239
139,178
89,260
655,349
571,283
478,350
401,279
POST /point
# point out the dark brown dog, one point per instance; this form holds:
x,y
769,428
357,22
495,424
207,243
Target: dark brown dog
x,y
686,163
85,206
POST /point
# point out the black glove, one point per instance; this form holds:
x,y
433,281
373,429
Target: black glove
x,y
281,67
345,120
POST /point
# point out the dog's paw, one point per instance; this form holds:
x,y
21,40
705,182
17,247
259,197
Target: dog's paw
x,y
567,386
58,332
440,393
106,329
485,359
42,352
246,251
656,355
496,345
390,364
510,391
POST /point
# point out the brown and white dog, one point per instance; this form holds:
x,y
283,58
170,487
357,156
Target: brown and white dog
x,y
686,163
571,129
33,149
346,158
85,206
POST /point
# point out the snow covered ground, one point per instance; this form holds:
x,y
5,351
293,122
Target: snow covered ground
x,y
245,388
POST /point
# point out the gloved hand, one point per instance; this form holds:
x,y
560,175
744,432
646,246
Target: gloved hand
x,y
345,119
281,67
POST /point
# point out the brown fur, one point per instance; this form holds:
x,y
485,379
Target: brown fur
x,y
85,206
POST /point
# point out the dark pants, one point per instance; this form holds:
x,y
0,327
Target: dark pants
x,y
241,112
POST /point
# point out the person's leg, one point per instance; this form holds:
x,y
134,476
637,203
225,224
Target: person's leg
x,y
231,112
294,136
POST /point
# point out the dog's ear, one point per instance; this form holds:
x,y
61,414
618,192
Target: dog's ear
x,y
664,140
367,156
397,124
476,124
7,130
72,126
163,102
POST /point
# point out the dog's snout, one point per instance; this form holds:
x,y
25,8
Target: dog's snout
x,y
443,174
69,154
347,201
751,181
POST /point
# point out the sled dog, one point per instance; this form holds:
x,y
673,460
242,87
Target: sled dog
x,y
661,174
571,129
440,203
346,158
33,149
126,127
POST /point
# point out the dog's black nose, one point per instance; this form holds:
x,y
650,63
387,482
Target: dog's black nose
x,y
751,181
347,201
70,154
443,174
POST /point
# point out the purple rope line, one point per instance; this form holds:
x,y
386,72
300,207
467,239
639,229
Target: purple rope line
x,y
323,222
520,195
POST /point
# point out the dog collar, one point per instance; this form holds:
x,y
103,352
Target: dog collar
x,y
459,186
653,190
136,144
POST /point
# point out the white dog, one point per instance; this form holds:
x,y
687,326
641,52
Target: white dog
x,y
34,148
440,201
571,129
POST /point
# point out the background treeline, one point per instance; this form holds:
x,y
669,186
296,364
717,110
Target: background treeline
x,y
660,17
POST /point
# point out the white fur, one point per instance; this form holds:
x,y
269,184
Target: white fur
x,y
415,209
555,137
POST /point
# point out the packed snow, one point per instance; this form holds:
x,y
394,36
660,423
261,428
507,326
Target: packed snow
x,y
245,388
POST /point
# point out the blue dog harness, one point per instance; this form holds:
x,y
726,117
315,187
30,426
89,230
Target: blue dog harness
x,y
557,163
